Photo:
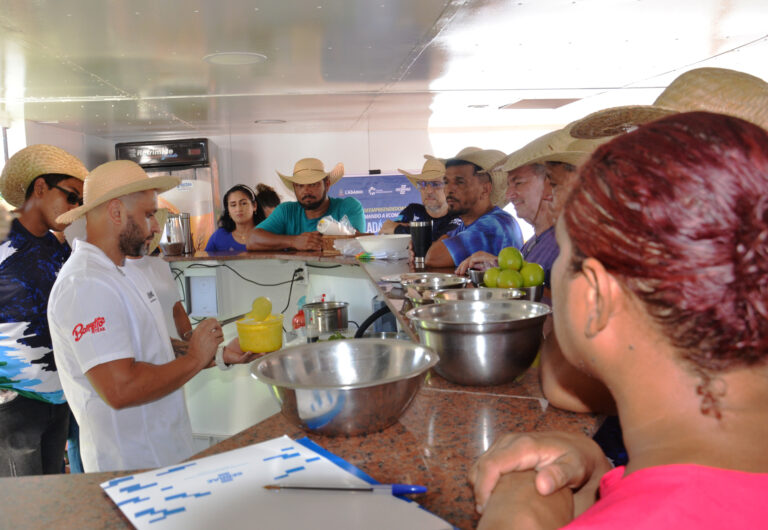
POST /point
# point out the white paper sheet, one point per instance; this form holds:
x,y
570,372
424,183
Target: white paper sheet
x,y
227,491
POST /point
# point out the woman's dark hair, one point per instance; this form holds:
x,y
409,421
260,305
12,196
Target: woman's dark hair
x,y
266,196
225,221
678,211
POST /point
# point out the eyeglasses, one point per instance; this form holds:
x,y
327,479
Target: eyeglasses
x,y
435,184
72,197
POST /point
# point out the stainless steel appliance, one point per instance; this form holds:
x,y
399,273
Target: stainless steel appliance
x,y
198,194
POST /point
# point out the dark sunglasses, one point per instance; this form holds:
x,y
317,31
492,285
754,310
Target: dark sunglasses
x,y
72,197
434,184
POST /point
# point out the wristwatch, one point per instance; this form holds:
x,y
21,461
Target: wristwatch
x,y
220,358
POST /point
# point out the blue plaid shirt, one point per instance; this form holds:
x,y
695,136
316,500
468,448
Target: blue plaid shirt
x,y
491,232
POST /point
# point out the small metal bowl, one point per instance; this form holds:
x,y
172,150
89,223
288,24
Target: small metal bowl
x,y
534,293
434,282
345,387
476,276
479,294
481,343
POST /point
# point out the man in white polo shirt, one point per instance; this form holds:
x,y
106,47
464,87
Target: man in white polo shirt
x,y
111,344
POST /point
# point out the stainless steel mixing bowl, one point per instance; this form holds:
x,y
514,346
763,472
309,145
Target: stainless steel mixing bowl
x,y
433,281
345,387
481,343
493,293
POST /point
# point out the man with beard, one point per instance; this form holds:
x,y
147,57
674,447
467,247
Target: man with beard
x,y
469,188
293,224
42,181
110,340
432,207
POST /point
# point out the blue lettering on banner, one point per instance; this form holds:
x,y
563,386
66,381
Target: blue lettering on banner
x,y
382,196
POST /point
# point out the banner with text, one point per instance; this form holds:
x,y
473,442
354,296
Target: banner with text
x,y
382,196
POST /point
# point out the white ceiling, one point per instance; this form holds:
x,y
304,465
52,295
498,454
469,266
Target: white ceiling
x,y
115,68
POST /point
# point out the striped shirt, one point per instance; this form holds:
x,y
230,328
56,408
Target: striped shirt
x,y
542,249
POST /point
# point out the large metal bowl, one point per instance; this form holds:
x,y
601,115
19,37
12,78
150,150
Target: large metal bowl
x,y
479,294
345,387
481,343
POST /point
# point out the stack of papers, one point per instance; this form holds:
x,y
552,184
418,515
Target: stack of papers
x,y
227,491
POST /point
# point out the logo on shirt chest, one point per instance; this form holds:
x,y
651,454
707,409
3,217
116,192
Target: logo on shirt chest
x,y
96,326
151,296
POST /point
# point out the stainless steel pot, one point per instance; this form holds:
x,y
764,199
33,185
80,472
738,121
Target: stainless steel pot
x,y
481,343
325,317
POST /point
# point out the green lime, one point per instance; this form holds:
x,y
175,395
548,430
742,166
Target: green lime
x,y
261,308
510,258
510,278
533,274
491,276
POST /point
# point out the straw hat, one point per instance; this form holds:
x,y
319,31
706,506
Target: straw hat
x,y
460,155
112,180
616,120
718,90
309,171
31,162
433,169
485,158
709,89
574,158
552,142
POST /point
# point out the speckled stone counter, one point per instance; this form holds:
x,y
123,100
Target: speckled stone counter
x,y
435,442
446,428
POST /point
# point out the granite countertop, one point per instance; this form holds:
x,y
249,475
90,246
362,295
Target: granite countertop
x,y
446,428
434,443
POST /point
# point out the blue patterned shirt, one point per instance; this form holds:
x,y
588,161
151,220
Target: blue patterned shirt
x,y
491,232
28,268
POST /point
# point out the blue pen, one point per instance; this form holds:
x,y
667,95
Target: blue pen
x,y
393,489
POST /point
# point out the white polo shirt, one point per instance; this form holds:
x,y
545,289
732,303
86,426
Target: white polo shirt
x,y
98,314
157,271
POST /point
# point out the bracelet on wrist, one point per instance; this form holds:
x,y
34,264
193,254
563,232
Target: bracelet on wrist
x,y
219,358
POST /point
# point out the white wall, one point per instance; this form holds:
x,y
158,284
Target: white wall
x,y
254,158
92,150
250,159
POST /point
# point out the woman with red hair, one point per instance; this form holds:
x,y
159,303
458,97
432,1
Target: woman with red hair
x,y
661,293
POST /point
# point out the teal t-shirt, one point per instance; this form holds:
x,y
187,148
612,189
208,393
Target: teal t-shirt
x,y
290,219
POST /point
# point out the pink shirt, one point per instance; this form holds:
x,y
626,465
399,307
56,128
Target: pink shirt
x,y
679,496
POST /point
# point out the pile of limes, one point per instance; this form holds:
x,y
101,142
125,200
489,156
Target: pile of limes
x,y
513,271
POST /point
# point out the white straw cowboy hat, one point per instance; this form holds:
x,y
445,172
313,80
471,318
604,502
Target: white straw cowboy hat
x,y
309,171
555,146
112,180
460,155
546,144
716,90
487,159
433,169
31,162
